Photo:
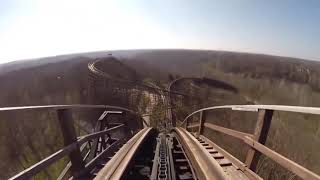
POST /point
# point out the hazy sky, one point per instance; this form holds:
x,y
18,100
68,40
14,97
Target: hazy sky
x,y
36,28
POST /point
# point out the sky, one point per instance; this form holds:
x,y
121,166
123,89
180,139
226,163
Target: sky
x,y
39,28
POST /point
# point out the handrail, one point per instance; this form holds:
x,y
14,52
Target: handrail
x,y
297,109
72,143
257,140
283,161
27,173
65,106
230,132
193,125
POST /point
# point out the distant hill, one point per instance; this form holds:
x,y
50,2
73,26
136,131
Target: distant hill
x,y
253,78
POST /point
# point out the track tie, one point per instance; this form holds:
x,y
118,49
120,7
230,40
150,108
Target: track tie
x,y
181,160
185,176
212,151
224,162
139,166
177,152
178,146
102,164
217,156
183,167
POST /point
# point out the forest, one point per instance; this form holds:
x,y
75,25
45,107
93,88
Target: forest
x,y
223,78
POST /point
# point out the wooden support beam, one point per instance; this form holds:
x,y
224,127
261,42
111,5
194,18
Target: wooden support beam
x,y
193,125
292,166
230,132
260,134
186,124
70,137
201,122
95,142
97,135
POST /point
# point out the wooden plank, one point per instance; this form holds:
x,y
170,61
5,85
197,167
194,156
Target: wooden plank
x,y
65,172
234,173
217,156
95,142
283,161
260,134
230,132
212,151
98,134
224,162
106,153
192,125
41,165
236,162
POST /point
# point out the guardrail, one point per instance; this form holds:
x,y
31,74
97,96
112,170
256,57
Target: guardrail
x,y
72,143
256,140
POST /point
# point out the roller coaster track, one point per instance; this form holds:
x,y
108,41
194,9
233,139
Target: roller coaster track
x,y
126,149
95,70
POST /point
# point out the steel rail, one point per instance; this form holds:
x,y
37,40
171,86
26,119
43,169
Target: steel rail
x,y
115,168
204,165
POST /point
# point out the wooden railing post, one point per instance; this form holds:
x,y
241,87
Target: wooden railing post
x,y
126,130
186,124
260,134
69,137
201,122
